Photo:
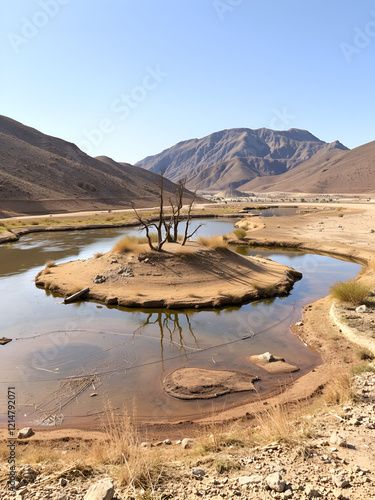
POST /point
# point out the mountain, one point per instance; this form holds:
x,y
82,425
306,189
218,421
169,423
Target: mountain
x,y
232,158
335,172
42,174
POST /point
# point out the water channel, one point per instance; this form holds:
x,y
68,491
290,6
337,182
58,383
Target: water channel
x,y
61,355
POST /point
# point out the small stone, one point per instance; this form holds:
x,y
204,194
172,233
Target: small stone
x,y
299,323
288,494
102,490
63,482
244,480
178,441
144,444
25,433
267,356
198,472
275,482
187,443
340,481
338,440
312,492
93,394
362,309
167,441
256,479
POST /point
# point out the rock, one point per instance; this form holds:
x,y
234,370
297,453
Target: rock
x,y
167,441
4,341
93,394
142,256
338,440
25,433
197,383
99,278
299,323
275,482
288,494
340,481
102,490
63,482
312,492
267,356
362,309
187,443
256,479
178,441
198,472
144,444
244,480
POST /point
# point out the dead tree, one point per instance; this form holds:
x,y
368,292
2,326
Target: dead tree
x,y
188,219
176,206
147,224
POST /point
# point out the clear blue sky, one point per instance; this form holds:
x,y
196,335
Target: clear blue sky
x,y
72,66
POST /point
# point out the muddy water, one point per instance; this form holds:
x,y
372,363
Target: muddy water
x,y
61,355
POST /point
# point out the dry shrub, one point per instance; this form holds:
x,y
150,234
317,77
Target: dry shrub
x,y
281,424
50,263
127,244
137,467
143,239
215,242
340,390
98,254
352,291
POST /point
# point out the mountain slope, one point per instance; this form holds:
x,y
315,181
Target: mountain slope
x,y
40,173
335,172
231,158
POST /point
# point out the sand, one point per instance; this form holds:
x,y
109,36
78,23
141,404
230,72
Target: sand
x,y
193,276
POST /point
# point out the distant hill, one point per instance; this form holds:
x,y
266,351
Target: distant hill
x,y
335,172
233,158
42,174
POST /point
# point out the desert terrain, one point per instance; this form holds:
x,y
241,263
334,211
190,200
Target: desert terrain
x,y
314,438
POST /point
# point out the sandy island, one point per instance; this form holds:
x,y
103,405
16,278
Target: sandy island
x,y
193,276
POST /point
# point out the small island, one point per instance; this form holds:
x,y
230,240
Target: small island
x,y
198,275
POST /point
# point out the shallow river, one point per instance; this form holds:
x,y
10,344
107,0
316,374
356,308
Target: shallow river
x,y
61,355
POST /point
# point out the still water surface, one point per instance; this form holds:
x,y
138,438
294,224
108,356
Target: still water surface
x,y
57,348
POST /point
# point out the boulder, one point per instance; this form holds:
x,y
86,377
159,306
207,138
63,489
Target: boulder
x,y
102,490
25,433
275,482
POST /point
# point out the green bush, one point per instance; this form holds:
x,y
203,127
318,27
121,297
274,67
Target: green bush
x,y
239,233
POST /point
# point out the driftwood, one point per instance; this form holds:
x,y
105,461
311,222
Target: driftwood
x,y
76,296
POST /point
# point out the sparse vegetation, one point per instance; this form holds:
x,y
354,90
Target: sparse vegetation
x,y
239,233
126,244
98,254
215,242
362,368
50,263
352,291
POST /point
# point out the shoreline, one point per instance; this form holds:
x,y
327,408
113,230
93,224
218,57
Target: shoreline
x,y
307,385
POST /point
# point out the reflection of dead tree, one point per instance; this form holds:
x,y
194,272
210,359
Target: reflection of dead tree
x,y
169,322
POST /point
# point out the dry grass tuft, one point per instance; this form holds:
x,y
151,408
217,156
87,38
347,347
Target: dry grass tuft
x,y
137,467
98,254
351,291
215,242
340,390
127,244
50,263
